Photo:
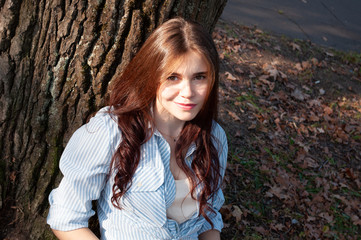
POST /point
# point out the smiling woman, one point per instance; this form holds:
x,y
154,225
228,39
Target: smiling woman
x,y
155,158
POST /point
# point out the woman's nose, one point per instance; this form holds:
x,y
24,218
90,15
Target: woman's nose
x,y
186,90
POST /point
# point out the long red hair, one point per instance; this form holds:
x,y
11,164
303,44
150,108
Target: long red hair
x,y
134,92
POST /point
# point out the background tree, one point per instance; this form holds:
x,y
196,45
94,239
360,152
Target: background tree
x,y
57,59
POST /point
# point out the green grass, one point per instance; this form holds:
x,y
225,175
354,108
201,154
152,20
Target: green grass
x,y
348,57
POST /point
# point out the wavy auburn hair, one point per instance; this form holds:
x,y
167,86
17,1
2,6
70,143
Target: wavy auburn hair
x,y
134,93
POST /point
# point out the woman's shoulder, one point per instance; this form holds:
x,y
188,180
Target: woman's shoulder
x,y
219,133
102,119
102,125
92,144
220,142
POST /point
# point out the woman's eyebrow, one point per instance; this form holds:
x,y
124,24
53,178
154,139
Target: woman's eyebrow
x,y
201,73
175,74
194,74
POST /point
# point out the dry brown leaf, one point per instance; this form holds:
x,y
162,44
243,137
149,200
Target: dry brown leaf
x,y
253,126
230,76
356,220
315,61
277,191
277,47
226,212
306,64
237,213
234,116
326,216
251,75
329,54
342,198
283,75
278,226
298,94
271,71
238,70
349,172
328,110
311,162
261,230
310,218
295,46
313,117
298,67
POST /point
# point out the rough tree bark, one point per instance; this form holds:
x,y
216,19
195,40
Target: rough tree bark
x,y
57,58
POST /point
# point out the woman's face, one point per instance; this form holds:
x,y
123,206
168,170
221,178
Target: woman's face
x,y
183,93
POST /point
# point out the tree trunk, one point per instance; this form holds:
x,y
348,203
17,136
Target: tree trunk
x,y
57,59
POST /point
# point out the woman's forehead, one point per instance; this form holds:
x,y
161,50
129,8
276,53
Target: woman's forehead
x,y
190,62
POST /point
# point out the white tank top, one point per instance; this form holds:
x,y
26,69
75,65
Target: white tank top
x,y
184,206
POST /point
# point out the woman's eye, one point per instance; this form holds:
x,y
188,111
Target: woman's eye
x,y
200,77
172,78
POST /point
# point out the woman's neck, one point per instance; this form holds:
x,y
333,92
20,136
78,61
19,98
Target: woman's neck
x,y
168,126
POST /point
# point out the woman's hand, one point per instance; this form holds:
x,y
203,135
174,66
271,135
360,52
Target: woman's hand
x,y
78,234
210,235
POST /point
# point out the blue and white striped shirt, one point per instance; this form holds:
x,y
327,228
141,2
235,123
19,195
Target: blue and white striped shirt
x,y
85,164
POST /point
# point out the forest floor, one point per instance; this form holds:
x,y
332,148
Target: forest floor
x,y
292,113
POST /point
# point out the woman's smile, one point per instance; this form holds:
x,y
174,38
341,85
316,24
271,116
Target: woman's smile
x,y
186,106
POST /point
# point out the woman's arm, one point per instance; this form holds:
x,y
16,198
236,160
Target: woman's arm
x,y
78,234
85,165
210,235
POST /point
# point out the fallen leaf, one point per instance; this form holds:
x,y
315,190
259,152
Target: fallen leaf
x,y
298,66
298,94
261,230
277,47
253,126
230,76
283,76
226,211
295,46
237,213
315,61
310,218
349,173
251,75
234,116
278,226
306,65
326,216
329,54
356,220
328,110
239,70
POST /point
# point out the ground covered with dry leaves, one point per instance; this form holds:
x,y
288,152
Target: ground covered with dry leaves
x,y
292,113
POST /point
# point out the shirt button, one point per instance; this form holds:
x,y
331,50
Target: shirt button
x,y
139,184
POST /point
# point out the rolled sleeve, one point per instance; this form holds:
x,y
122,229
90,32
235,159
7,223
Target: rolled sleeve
x,y
85,164
218,200
215,217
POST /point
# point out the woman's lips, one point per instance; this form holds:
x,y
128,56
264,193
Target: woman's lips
x,y
186,106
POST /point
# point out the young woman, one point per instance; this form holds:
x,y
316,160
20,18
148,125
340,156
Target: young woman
x,y
155,158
